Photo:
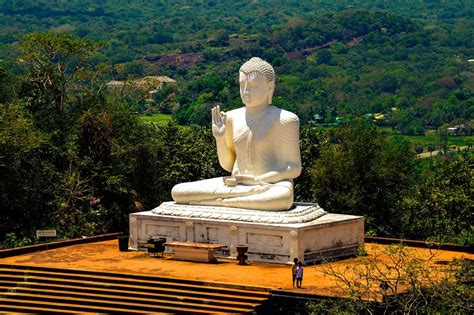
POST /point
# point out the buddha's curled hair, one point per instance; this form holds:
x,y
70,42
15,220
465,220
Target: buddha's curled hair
x,y
259,65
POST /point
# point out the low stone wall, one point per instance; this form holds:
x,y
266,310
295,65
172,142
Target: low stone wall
x,y
51,245
420,244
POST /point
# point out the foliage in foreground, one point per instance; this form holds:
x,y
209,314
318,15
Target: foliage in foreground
x,y
396,280
71,159
439,208
365,171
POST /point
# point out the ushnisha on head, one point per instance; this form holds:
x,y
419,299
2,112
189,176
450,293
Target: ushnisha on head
x,y
256,64
257,82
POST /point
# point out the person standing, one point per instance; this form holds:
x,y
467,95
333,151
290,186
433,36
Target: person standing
x,y
293,270
299,274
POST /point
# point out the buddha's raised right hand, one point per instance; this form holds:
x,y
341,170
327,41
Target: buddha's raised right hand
x,y
218,122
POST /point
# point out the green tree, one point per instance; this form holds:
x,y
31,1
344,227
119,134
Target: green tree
x,y
190,154
324,57
311,140
56,63
95,136
26,174
440,207
364,172
397,280
7,85
419,149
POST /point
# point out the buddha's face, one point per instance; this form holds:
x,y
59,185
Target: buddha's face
x,y
255,90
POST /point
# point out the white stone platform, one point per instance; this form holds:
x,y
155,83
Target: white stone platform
x,y
306,231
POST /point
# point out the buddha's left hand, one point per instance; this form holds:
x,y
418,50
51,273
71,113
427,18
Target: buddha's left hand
x,y
247,179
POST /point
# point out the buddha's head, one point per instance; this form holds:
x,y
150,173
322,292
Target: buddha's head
x,y
257,82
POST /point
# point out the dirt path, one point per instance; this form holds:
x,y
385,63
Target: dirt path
x,y
434,153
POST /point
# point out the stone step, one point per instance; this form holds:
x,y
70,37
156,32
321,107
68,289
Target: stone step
x,y
86,304
15,309
245,288
149,281
113,300
40,289
43,307
81,290
90,283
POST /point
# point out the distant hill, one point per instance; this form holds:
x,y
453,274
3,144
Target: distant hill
x,y
333,58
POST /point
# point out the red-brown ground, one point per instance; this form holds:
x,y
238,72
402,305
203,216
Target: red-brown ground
x,y
105,256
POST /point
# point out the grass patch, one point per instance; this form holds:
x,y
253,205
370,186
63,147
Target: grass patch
x,y
156,119
427,164
433,139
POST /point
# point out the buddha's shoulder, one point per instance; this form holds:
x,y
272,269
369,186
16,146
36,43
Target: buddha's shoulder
x,y
283,116
286,117
235,113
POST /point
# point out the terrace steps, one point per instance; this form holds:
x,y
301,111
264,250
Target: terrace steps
x,y
42,289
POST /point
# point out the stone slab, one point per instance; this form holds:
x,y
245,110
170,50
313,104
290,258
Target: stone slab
x,y
193,251
278,237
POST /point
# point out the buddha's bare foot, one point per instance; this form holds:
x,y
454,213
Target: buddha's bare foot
x,y
230,182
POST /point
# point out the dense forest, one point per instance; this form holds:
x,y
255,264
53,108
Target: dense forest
x,y
406,61
76,158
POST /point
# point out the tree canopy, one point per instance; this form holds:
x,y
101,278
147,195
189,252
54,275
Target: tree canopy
x,y
77,158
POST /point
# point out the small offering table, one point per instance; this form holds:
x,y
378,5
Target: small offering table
x,y
200,252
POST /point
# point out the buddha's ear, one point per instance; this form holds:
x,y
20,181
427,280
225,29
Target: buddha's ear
x,y
270,86
271,89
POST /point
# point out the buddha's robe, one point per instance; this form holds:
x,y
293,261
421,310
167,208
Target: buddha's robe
x,y
265,146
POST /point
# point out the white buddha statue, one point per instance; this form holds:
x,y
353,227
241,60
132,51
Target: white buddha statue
x,y
258,144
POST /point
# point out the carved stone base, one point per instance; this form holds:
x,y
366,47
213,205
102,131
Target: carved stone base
x,y
306,231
